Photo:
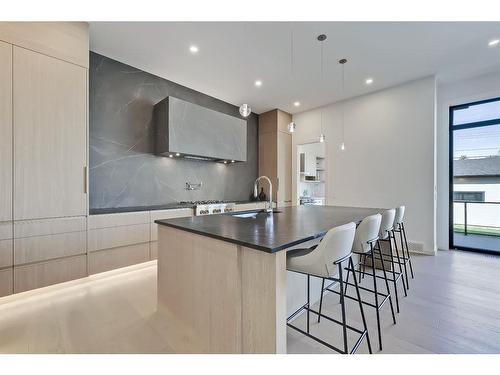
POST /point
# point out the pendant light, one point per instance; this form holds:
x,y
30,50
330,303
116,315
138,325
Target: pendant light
x,y
342,62
291,126
245,110
321,38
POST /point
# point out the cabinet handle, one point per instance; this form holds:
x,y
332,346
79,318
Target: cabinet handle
x,y
85,177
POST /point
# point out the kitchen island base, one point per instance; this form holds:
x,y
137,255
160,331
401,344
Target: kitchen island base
x,y
220,297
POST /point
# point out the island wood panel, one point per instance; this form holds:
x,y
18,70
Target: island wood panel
x,y
199,292
6,282
50,115
109,259
219,297
5,131
263,278
42,274
67,41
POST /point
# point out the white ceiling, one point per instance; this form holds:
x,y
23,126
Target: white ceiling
x,y
232,55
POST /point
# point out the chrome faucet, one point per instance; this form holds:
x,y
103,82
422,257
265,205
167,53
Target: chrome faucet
x,y
255,191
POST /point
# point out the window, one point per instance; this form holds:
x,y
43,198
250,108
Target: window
x,y
469,196
474,113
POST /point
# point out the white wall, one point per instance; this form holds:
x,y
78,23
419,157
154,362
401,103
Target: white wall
x,y
390,153
450,94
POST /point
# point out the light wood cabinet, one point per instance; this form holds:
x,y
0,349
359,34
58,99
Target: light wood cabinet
x,y
67,41
5,132
38,275
275,154
6,281
49,136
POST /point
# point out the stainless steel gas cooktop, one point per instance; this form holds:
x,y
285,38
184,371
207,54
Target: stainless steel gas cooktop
x,y
210,207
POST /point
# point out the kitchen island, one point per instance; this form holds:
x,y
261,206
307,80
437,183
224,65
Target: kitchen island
x,y
222,278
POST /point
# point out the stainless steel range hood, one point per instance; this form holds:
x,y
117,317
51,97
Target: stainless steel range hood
x,y
197,132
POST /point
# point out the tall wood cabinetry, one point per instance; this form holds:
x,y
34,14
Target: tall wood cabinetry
x,y
6,242
43,154
275,154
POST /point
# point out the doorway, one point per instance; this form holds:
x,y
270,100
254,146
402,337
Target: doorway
x,y
475,176
311,174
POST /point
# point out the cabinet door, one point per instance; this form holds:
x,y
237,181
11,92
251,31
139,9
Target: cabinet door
x,y
5,131
49,136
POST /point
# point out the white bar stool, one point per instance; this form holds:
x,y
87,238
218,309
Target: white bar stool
x,y
399,227
386,235
366,244
326,261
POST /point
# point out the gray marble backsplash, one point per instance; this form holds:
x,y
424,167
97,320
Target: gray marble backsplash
x,y
124,170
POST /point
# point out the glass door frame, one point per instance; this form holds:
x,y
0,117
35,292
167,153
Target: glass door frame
x,y
452,128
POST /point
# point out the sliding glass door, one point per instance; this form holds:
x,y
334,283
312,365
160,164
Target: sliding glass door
x,y
475,176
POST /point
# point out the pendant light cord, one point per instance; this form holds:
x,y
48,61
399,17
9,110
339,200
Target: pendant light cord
x,y
291,51
343,102
321,121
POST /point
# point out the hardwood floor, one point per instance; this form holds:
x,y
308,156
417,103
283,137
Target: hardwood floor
x,y
453,306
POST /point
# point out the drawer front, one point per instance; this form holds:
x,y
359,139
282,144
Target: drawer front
x,y
38,275
5,230
44,227
40,248
105,260
5,282
107,238
153,250
167,214
6,253
115,220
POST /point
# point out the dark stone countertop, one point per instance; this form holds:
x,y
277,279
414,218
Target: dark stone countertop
x,y
169,206
271,233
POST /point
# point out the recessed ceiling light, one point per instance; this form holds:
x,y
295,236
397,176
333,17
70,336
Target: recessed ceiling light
x,y
225,161
369,81
296,104
177,154
193,49
170,156
232,161
258,83
493,42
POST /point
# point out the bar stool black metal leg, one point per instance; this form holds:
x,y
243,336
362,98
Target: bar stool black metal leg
x,y
376,298
404,260
360,303
364,266
347,279
308,300
321,298
394,279
361,263
403,230
342,304
391,236
386,281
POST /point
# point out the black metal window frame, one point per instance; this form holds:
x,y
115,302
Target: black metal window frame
x,y
452,128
